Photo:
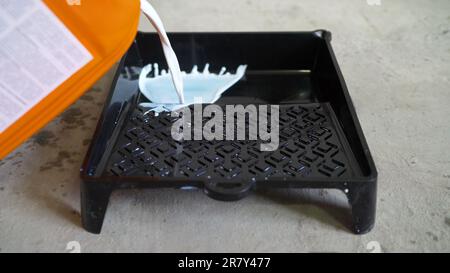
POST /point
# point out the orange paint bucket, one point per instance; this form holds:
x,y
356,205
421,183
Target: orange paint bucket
x,y
93,35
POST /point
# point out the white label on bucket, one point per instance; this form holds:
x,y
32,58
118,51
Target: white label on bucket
x,y
37,54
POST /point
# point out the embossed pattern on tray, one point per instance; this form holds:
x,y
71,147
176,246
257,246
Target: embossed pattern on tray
x,y
309,147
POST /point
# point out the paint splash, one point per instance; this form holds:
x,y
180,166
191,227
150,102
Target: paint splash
x,y
199,87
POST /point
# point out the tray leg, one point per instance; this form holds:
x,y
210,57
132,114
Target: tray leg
x,y
94,201
362,198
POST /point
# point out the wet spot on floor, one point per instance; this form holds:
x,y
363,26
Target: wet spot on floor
x,y
63,155
72,161
57,163
2,188
17,163
87,98
73,118
45,138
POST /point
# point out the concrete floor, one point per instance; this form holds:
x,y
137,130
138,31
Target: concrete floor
x,y
396,61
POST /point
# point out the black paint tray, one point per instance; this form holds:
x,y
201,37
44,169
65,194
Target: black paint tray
x,y
321,142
